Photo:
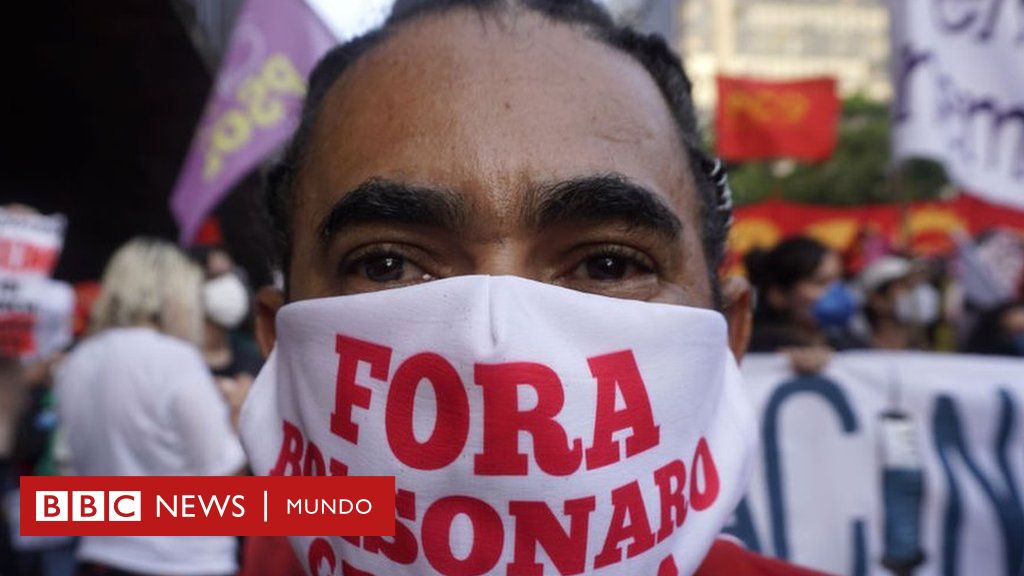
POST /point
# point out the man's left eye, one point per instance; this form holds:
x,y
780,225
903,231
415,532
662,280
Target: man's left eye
x,y
387,268
607,267
610,267
379,268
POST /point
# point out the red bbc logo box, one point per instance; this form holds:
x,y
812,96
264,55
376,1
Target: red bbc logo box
x,y
206,505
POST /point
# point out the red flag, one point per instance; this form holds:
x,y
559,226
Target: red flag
x,y
759,119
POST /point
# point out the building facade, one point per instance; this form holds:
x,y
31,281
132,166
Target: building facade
x,y
785,39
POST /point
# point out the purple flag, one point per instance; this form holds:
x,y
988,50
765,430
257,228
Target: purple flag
x,y
254,106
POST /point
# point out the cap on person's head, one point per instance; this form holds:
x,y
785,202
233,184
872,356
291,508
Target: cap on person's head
x,y
883,271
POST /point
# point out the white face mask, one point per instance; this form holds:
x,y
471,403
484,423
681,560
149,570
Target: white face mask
x,y
226,300
919,306
527,425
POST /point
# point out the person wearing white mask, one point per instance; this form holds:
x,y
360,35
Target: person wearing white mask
x,y
499,237
226,302
899,304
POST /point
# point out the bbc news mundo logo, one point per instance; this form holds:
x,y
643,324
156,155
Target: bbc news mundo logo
x,y
207,506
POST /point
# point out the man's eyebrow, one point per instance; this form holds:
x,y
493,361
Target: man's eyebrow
x,y
383,201
608,197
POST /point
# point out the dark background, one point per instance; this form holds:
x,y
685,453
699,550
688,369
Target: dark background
x,y
99,104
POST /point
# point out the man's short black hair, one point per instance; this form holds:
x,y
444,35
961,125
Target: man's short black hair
x,y
651,51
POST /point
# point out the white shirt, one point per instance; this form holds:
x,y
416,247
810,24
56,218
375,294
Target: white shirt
x,y
134,402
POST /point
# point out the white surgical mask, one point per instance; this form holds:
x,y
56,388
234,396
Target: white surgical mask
x,y
919,306
527,426
226,300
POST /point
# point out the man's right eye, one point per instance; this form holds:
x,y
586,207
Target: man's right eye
x,y
389,268
378,269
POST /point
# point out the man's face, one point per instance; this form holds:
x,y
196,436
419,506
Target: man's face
x,y
502,146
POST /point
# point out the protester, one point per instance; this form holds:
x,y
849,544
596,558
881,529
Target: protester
x,y
802,300
999,331
35,454
451,144
226,301
135,398
35,329
803,308
900,305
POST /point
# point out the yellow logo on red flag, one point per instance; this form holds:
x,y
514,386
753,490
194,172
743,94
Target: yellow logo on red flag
x,y
760,119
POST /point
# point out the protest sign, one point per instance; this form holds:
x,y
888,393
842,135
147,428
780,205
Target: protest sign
x,y
35,316
958,73
820,488
30,243
35,311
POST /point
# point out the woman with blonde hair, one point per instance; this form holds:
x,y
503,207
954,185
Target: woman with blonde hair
x,y
135,398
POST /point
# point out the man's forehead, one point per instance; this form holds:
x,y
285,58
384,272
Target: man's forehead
x,y
493,108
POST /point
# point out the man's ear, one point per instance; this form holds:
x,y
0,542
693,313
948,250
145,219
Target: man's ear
x,y
268,301
738,300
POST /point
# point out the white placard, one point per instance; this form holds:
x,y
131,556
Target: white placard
x,y
817,497
958,74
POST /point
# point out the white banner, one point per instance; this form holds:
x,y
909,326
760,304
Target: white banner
x,y
958,73
36,315
30,243
818,495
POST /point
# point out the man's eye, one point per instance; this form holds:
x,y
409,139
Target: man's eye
x,y
607,267
385,268
610,267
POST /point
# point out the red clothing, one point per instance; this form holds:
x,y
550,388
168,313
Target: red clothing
x,y
269,556
727,558
272,556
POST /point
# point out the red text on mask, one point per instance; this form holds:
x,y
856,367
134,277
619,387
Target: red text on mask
x,y
616,378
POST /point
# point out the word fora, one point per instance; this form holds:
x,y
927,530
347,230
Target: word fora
x,y
615,374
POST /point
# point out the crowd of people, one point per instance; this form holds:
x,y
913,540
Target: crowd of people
x,y
811,300
154,382
151,386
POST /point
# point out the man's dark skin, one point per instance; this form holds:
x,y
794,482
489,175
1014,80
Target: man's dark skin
x,y
500,145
